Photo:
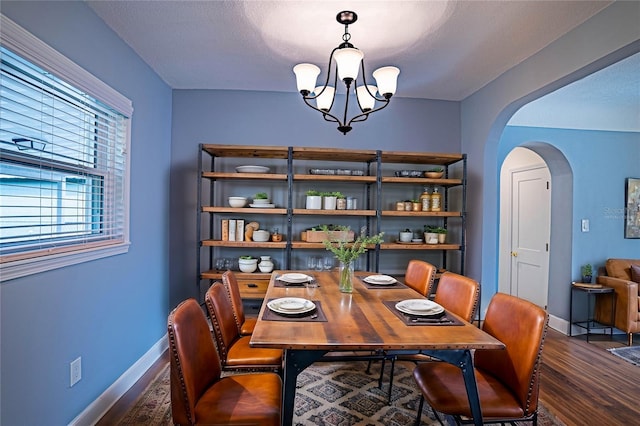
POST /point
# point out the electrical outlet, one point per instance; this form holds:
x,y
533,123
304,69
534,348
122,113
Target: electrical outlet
x,y
585,225
75,369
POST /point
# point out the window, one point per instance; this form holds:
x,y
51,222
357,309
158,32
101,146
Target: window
x,y
64,139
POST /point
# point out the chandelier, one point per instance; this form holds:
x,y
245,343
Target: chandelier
x,y
348,62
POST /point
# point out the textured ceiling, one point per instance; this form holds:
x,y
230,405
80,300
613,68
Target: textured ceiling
x,y
445,50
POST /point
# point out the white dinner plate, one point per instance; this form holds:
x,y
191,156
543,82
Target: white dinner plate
x,y
380,280
419,307
262,206
252,169
295,278
291,305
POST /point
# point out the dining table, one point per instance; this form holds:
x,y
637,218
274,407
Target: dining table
x,y
367,319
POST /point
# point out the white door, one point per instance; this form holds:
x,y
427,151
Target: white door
x,y
530,230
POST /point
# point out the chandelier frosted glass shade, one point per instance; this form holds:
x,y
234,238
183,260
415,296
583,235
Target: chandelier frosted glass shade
x,y
324,98
306,76
346,63
387,80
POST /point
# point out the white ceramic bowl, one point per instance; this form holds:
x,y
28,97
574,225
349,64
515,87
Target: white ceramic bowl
x,y
261,235
248,265
237,201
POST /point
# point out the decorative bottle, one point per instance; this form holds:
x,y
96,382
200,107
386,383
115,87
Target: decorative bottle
x,y
425,199
436,201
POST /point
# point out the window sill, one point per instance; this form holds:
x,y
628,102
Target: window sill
x,y
24,267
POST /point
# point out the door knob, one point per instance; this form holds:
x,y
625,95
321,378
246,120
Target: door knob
x,y
514,254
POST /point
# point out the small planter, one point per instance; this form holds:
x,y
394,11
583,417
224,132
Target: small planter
x,y
406,237
442,238
329,203
431,238
314,202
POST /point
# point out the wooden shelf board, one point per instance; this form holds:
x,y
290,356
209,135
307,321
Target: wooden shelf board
x,y
421,213
334,212
247,151
242,210
215,274
335,178
247,244
420,157
396,246
334,154
245,176
422,181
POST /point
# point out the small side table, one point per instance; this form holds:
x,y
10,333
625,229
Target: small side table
x,y
590,324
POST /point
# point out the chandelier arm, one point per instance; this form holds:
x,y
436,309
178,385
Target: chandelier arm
x,y
323,112
365,115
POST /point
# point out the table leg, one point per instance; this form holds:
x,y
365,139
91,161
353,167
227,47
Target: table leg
x,y
462,358
294,362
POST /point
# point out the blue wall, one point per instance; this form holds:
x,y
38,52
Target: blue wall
x,y
110,311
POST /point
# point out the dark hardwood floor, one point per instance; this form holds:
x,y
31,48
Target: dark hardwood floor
x,y
581,383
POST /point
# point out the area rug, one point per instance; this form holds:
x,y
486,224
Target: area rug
x,y
629,353
328,394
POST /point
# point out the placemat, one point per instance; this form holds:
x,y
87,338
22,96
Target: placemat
x,y
395,285
446,319
317,315
280,283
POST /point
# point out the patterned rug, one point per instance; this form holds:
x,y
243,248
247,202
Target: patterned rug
x,y
328,394
629,353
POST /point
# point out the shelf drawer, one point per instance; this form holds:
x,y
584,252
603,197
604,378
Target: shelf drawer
x,y
253,288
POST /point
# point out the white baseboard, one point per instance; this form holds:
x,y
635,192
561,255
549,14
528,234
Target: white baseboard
x,y
98,408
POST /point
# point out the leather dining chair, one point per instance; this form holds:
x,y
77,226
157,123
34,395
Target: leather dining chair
x,y
233,348
419,275
245,325
457,294
199,395
508,380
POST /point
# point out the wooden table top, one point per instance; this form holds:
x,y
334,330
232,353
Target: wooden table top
x,y
359,321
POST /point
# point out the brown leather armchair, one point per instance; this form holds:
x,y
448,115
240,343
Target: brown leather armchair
x,y
617,274
199,395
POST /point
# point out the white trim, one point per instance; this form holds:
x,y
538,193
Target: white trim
x,y
98,408
34,265
25,44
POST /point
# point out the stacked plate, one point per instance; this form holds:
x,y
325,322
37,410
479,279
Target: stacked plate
x,y
252,169
379,280
419,307
291,305
295,278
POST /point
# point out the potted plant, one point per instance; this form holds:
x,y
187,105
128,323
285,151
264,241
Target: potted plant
x,y
347,253
430,235
406,235
329,200
442,234
247,263
341,200
314,200
261,198
320,233
434,173
416,205
587,273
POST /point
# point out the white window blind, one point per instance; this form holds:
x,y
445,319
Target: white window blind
x,y
63,168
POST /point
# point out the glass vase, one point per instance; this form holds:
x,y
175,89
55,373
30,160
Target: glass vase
x,y
346,277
